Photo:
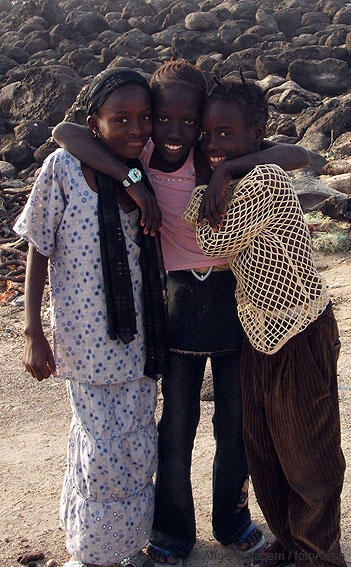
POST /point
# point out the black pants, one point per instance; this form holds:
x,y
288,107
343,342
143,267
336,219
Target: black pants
x,y
174,520
202,320
292,437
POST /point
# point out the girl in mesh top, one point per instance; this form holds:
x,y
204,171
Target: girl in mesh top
x,y
202,317
288,366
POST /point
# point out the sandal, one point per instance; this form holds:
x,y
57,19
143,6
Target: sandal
x,y
140,559
74,563
166,553
241,546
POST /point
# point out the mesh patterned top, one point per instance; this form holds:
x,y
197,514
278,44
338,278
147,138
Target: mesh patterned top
x,y
265,237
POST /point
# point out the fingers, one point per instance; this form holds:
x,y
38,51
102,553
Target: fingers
x,y
39,372
211,208
201,215
151,217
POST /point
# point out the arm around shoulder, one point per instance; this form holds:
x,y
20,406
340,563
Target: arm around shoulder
x,y
80,142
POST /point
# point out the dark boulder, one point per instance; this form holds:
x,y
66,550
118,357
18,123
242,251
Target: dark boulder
x,y
328,77
343,16
191,45
270,65
131,42
44,94
201,21
19,154
17,54
35,133
137,8
87,23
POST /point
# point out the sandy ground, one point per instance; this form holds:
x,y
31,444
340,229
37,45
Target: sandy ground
x,y
34,421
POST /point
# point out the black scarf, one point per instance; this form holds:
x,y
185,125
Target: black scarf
x,y
117,282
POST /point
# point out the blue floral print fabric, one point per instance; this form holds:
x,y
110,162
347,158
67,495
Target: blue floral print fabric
x,y
107,498
60,220
108,494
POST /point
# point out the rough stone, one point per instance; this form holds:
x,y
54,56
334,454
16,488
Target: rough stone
x,y
34,23
315,141
336,207
30,100
17,54
201,21
35,133
311,191
290,97
341,182
270,65
131,42
87,22
165,37
244,9
6,64
226,66
267,21
45,150
288,21
7,170
229,31
328,77
146,24
35,45
245,41
20,154
342,144
343,16
191,45
139,7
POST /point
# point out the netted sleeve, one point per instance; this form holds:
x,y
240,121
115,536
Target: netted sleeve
x,y
42,214
192,210
248,211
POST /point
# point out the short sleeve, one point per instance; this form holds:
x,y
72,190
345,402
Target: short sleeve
x,y
42,214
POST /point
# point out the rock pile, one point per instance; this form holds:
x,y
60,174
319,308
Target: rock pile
x,y
299,50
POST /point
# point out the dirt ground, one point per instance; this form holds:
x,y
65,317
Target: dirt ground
x,y
34,421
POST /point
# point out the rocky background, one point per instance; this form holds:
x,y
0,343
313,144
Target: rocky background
x,y
299,51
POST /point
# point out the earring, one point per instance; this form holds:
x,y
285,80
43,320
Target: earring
x,y
96,134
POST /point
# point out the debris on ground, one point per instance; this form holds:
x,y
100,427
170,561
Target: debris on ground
x,y
328,235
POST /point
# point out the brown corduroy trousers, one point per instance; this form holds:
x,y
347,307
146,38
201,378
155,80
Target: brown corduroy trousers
x,y
292,436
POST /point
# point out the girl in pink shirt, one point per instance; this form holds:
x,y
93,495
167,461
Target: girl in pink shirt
x,y
203,319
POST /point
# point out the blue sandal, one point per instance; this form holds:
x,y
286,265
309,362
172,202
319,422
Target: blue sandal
x,y
245,553
166,553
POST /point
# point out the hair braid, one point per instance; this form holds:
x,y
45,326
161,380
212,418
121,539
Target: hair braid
x,y
247,95
180,72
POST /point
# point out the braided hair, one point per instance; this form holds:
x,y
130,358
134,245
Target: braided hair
x,y
181,73
246,94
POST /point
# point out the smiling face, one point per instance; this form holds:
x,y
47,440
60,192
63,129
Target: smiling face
x,y
225,133
176,125
124,121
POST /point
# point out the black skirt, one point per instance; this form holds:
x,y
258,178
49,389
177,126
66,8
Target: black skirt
x,y
202,315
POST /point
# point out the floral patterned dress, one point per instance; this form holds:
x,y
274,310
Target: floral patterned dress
x,y
107,497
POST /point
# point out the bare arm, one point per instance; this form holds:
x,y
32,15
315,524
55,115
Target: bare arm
x,y
80,142
38,357
287,156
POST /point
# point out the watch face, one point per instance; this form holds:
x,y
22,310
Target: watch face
x,y
135,175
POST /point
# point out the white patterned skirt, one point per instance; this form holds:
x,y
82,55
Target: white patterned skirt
x,y
107,501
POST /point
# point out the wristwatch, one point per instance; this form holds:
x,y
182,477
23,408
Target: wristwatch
x,y
134,175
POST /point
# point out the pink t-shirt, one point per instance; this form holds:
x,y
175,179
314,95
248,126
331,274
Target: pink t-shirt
x,y
173,190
